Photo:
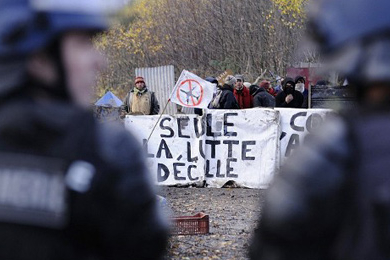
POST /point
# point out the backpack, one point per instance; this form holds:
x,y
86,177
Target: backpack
x,y
215,102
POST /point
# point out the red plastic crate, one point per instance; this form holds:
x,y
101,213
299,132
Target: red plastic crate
x,y
190,225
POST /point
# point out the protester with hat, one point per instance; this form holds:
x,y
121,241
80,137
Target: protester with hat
x,y
244,99
71,188
300,86
289,97
267,86
225,98
140,100
261,98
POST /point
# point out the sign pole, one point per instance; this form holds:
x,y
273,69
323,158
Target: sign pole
x,y
182,79
154,127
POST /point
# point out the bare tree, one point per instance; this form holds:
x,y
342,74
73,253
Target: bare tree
x,y
246,36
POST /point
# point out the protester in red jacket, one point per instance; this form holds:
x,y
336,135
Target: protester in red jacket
x,y
267,86
244,98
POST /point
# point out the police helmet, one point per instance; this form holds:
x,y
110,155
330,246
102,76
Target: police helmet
x,y
28,25
353,37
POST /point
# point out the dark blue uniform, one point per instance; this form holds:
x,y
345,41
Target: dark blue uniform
x,y
72,188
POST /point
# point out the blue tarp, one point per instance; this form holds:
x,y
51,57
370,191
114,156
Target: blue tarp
x,y
109,100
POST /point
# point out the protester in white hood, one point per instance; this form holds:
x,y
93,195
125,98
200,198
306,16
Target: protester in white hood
x,y
300,84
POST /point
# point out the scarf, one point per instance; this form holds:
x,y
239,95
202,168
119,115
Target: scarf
x,y
139,92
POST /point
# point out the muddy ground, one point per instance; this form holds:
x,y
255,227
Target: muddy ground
x,y
233,213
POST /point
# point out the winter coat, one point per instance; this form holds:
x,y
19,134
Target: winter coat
x,y
244,99
305,103
89,194
261,98
228,100
272,91
295,103
154,105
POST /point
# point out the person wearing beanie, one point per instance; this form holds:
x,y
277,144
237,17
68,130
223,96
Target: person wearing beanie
x,y
244,99
230,80
267,86
140,100
225,98
261,98
289,97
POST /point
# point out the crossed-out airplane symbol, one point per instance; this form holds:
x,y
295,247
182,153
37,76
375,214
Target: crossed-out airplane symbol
x,y
189,94
192,99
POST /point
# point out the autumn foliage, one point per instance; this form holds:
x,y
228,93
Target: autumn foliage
x,y
205,36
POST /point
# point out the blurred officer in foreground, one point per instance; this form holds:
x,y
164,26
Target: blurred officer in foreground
x,y
332,200
69,188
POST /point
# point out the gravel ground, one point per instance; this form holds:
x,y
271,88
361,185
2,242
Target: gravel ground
x,y
233,213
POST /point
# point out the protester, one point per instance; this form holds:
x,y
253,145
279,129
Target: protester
x,y
267,86
140,100
179,109
289,97
225,98
244,99
331,200
261,98
300,86
71,188
278,85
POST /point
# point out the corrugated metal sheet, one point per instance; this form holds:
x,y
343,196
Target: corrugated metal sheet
x,y
161,80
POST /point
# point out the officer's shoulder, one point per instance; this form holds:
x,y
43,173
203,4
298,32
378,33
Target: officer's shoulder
x,y
333,135
335,124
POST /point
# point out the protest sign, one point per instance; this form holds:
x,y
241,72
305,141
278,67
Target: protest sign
x,y
221,146
173,148
245,146
247,151
192,91
296,124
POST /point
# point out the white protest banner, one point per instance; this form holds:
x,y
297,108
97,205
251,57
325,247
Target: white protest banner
x,y
223,145
192,91
242,146
296,124
173,148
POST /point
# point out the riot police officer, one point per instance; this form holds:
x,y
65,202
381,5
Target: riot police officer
x,y
69,188
332,200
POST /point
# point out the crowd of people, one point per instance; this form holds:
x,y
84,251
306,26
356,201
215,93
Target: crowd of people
x,y
234,93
